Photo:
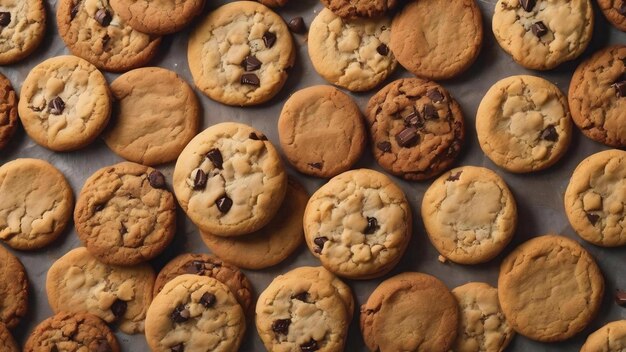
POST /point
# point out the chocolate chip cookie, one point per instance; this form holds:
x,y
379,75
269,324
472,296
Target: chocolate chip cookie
x,y
615,12
360,8
7,343
13,291
609,338
22,29
157,17
8,111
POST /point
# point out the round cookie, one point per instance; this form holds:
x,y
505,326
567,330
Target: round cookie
x,y
157,114
360,8
416,128
597,96
410,312
615,12
324,117
358,224
595,196
35,203
230,180
523,124
78,282
271,244
13,291
93,31
7,343
22,29
195,313
240,54
72,332
65,103
157,17
542,35
8,111
274,3
469,214
125,215
455,26
353,54
482,325
550,288
609,338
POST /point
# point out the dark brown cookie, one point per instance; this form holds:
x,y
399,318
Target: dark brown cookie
x,y
8,111
7,343
360,8
13,289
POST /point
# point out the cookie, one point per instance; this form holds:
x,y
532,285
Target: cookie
x,y
360,8
416,128
469,214
157,17
274,3
13,291
597,96
72,332
125,215
91,29
22,29
8,111
549,288
482,325
358,224
542,35
7,343
437,39
230,180
195,313
78,282
523,124
65,103
594,198
156,115
615,12
273,243
35,203
410,312
240,54
351,53
609,338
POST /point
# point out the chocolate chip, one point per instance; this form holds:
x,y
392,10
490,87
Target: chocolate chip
x,y
382,49
384,147
281,326
435,95
372,226
316,165
178,348
56,106
539,29
550,134
407,137
527,5
430,112
102,346
223,204
74,10
180,314
296,25
620,297
98,207
414,119
269,39
54,348
620,89
195,267
200,181
453,177
319,242
250,79
156,179
5,18
309,346
251,63
123,229
302,296
118,308
622,9
593,218
216,158
208,300
103,17
255,137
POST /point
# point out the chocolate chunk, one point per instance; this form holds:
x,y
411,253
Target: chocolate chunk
x,y
98,207
407,137
309,346
208,300
200,181
316,165
123,229
302,296
550,134
384,147
102,346
54,348
257,138
118,308
56,106
216,158
180,314
593,218
454,177
269,39
527,5
194,267
178,348
622,9
224,203
250,79
5,18
620,297
74,10
156,179
251,63
382,49
319,242
372,226
539,29
620,89
430,112
103,17
435,95
414,119
281,326
296,25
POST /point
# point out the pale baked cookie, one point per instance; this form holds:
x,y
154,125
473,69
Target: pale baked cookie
x,y
78,282
595,198
541,35
550,288
240,54
157,17
22,28
195,313
65,103
125,215
8,111
230,180
13,290
410,312
482,325
274,3
271,244
35,203
351,53
358,224
157,114
469,214
523,124
597,96
360,8
437,39
416,128
73,332
7,343
609,338
93,31
615,12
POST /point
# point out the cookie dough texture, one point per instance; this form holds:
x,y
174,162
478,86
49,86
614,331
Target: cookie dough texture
x,y
410,312
437,39
25,31
157,115
550,288
35,203
609,338
13,291
360,8
222,41
469,214
610,9
218,327
114,47
250,174
596,108
78,282
351,53
80,115
158,17
7,343
8,111
595,198
569,24
358,224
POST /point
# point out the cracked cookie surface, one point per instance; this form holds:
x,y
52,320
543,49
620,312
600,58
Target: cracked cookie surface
x,y
595,199
7,343
8,111
25,30
65,103
609,338
565,34
550,288
13,290
469,214
158,17
360,8
613,13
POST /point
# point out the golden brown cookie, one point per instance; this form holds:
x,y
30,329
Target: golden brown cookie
x,y
615,12
8,111
360,8
7,343
22,29
13,290
609,338
157,17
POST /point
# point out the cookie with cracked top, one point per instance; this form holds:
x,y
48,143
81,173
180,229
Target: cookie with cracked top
x,y
157,17
15,291
22,29
8,111
615,12
7,342
609,338
360,8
